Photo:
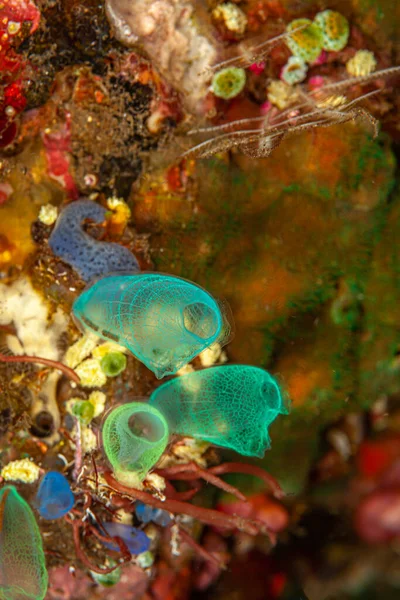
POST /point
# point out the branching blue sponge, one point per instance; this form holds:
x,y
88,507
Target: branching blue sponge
x,y
230,405
89,257
165,321
23,574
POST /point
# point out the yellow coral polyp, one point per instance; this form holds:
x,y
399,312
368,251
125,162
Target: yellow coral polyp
x,y
23,470
281,94
362,64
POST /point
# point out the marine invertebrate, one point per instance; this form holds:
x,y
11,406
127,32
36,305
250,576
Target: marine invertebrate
x,y
163,320
54,497
146,513
306,109
113,363
305,39
83,410
363,63
228,82
231,17
86,255
294,71
23,571
335,30
230,405
135,539
134,436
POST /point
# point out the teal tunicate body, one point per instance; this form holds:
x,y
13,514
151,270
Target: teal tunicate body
x,y
163,320
230,405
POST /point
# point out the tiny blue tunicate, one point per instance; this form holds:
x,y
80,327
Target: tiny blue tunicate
x,y
146,513
135,539
54,498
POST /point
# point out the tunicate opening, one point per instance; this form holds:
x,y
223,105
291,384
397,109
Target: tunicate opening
x,y
200,320
43,424
146,426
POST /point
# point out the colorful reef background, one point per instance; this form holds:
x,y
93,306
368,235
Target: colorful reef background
x,y
188,185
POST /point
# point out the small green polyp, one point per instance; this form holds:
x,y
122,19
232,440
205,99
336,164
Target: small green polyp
x,y
83,410
23,574
134,437
228,82
113,363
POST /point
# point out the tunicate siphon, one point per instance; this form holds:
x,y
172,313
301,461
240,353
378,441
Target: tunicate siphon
x,y
23,574
134,436
89,257
165,321
54,497
229,405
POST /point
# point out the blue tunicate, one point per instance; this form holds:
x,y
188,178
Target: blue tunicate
x,y
89,257
146,513
165,321
135,539
143,512
54,498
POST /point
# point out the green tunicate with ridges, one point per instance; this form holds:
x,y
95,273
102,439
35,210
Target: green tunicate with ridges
x,y
23,574
134,436
229,405
229,82
335,30
306,42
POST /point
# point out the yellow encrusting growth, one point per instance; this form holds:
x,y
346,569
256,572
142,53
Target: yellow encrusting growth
x,y
23,470
48,214
90,373
81,350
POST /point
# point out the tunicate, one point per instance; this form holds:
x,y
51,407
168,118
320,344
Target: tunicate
x,y
229,405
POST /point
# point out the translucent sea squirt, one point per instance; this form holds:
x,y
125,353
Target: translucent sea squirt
x,y
134,437
163,320
229,405
54,498
23,573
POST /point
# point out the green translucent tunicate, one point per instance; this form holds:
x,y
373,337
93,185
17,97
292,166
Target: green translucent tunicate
x,y
228,82
134,437
107,579
113,363
23,574
230,405
335,30
83,410
165,321
306,43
